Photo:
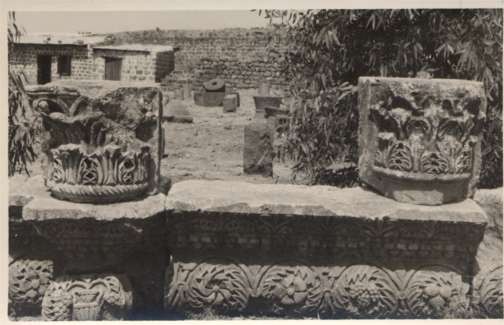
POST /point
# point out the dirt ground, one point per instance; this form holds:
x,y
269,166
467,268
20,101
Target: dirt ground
x,y
212,146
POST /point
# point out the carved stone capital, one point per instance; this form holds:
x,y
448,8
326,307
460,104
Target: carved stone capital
x,y
419,139
87,297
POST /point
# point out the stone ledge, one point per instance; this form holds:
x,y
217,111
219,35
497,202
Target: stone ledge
x,y
49,208
282,199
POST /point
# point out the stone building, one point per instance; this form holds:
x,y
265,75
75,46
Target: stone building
x,y
43,61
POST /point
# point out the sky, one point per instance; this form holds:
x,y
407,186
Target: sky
x,y
106,22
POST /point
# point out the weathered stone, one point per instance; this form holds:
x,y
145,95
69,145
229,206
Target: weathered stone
x,y
419,139
45,207
285,199
103,139
28,281
87,297
230,103
319,250
261,102
258,147
214,85
176,111
491,202
211,99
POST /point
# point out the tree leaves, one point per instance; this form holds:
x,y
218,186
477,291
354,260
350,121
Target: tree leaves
x,y
329,47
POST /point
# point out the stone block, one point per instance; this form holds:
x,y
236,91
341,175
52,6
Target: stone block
x,y
92,126
230,103
261,102
303,251
258,147
491,201
176,111
420,139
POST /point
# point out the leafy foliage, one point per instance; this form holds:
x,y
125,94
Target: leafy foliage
x,y
23,124
330,49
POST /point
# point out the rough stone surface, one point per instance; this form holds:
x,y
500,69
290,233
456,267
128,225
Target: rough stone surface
x,y
284,199
22,189
263,102
488,299
48,208
419,139
102,139
491,202
230,103
258,147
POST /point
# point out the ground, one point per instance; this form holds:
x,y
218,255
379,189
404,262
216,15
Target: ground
x,y
212,146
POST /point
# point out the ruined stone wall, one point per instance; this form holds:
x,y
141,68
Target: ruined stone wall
x,y
23,58
240,56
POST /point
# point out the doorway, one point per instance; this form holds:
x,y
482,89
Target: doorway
x,y
113,68
43,69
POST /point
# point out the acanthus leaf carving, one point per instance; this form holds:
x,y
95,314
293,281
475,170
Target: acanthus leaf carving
x,y
87,297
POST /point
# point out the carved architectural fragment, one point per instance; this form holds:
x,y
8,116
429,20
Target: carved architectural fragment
x,y
28,281
299,251
87,297
102,139
419,139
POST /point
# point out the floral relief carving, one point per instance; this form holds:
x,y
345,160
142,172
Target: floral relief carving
x,y
365,291
422,133
28,281
104,297
222,287
294,289
356,291
100,144
105,174
436,293
488,294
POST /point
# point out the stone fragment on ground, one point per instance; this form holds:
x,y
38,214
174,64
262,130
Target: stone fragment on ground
x,y
176,111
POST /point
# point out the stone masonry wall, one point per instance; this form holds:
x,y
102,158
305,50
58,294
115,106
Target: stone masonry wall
x,y
240,56
23,57
90,64
136,66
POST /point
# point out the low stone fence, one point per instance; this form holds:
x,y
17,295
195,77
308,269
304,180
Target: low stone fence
x,y
252,249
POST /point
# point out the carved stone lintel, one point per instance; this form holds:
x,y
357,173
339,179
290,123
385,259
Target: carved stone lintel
x,y
87,297
339,291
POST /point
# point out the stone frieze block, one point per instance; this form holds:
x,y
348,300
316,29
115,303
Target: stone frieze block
x,y
290,288
288,250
